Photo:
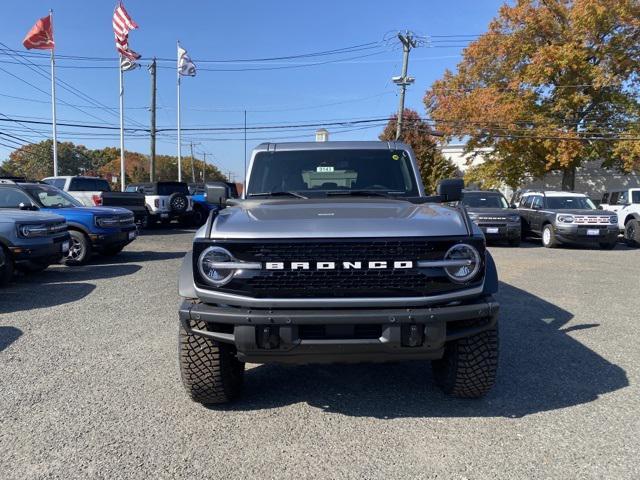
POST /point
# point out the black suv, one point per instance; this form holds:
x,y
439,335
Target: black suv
x,y
490,211
567,217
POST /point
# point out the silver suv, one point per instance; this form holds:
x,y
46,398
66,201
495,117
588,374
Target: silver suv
x,y
335,254
29,241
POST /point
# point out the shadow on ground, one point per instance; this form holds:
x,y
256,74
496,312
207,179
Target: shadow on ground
x,y
137,257
8,335
57,286
542,368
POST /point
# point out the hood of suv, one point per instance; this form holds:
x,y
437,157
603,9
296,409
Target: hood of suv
x,y
16,215
92,211
492,212
337,218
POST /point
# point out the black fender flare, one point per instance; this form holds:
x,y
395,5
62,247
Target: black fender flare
x,y
491,275
79,227
186,288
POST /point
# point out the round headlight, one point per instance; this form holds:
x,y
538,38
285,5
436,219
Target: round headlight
x,y
566,218
469,263
513,218
209,266
613,219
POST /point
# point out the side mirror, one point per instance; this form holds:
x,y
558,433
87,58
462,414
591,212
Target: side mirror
x,y
450,190
216,193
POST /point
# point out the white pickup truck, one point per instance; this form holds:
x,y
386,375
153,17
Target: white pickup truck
x,y
626,203
96,192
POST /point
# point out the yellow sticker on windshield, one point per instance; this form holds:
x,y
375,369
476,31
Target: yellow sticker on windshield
x,y
395,156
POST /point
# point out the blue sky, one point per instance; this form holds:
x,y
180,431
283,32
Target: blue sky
x,y
358,87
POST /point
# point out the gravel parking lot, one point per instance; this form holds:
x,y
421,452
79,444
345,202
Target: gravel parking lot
x,y
90,384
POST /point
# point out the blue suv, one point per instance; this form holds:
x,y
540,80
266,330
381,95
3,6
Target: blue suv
x,y
105,230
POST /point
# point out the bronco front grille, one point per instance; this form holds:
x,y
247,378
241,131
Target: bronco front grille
x,y
340,283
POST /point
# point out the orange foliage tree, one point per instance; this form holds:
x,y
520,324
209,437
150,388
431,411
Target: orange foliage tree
x,y
416,133
553,83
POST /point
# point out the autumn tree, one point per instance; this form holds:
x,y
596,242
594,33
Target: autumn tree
x,y
552,84
416,132
35,161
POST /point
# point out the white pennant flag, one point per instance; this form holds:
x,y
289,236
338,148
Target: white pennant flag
x,y
186,67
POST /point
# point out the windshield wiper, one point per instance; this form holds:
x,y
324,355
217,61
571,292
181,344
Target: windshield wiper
x,y
277,194
358,193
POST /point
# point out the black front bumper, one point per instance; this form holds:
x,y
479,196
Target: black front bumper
x,y
45,250
579,234
501,232
120,238
332,336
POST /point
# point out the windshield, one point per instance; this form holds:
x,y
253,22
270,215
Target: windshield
x,y
568,203
169,188
13,198
51,197
484,200
322,171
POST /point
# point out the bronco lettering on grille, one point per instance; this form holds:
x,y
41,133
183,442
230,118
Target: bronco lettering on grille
x,y
374,265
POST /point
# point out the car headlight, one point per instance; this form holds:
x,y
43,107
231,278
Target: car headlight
x,y
473,217
565,218
513,218
467,263
106,222
31,230
613,219
211,270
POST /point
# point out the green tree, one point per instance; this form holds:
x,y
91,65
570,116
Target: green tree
x,y
35,161
416,132
553,83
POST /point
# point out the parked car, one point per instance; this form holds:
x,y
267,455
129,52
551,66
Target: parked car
x,y
96,192
104,230
336,255
202,208
567,217
491,212
29,241
626,204
165,201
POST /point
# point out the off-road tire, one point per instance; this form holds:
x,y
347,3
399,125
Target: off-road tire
x,y
6,268
210,371
632,233
199,216
178,202
469,365
81,241
552,242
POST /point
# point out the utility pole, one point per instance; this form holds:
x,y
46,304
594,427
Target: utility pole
x,y
152,153
204,167
408,42
193,168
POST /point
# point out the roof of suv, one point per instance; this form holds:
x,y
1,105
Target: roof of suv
x,y
351,145
553,193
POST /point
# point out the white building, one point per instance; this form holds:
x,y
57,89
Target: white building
x,y
591,178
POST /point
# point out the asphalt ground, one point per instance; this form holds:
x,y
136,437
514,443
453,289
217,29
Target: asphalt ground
x,y
90,385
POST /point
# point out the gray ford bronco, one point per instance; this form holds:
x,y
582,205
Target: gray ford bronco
x,y
334,254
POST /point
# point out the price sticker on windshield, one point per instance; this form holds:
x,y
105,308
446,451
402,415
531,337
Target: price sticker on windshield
x,y
324,169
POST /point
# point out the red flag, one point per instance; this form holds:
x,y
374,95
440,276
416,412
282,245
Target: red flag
x,y
122,25
40,36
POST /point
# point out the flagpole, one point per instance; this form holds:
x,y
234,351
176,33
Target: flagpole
x,y
179,133
122,170
53,104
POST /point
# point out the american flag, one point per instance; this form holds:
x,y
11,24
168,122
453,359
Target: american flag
x,y
122,25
